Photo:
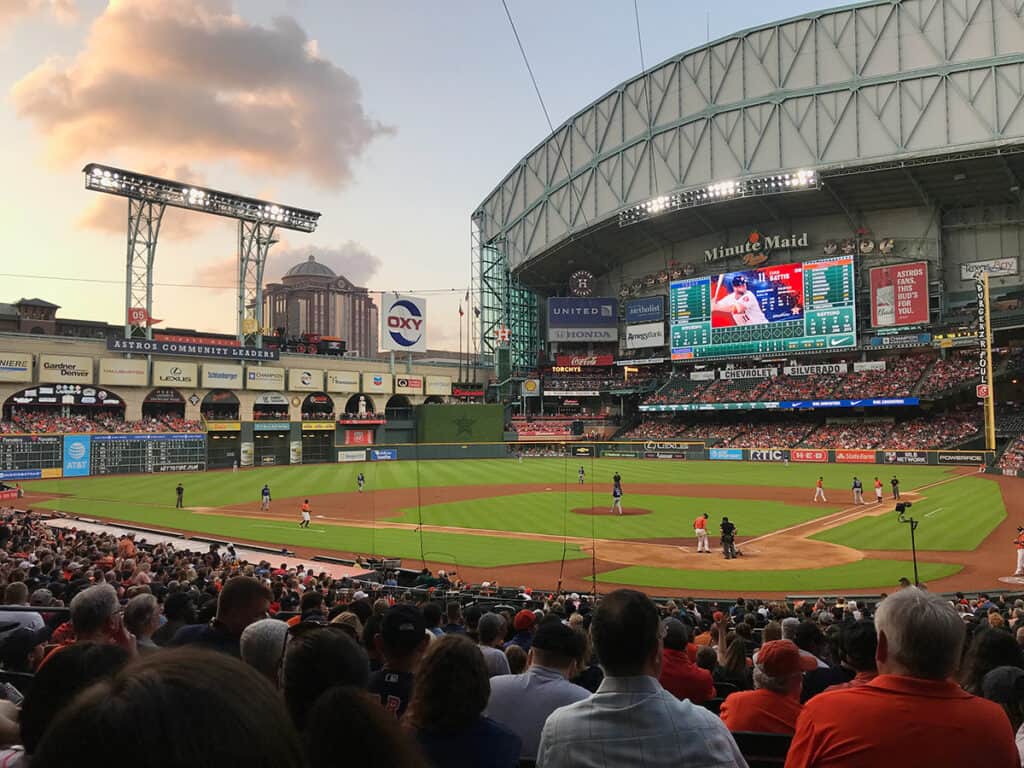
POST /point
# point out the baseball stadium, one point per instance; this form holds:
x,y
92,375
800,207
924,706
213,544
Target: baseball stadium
x,y
752,322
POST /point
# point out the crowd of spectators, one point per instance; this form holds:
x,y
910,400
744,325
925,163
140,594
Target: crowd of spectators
x,y
679,388
949,373
935,431
54,421
244,663
542,428
1013,456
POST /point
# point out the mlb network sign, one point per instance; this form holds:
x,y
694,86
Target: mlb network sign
x,y
403,323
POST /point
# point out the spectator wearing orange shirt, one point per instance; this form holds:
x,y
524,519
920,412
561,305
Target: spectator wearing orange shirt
x,y
912,714
679,675
774,704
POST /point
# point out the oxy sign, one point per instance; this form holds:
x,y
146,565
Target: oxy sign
x,y
403,323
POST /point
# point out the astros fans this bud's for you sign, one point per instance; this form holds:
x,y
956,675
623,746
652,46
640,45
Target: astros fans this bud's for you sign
x,y
403,323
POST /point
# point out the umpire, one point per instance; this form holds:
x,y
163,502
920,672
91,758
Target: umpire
x,y
728,539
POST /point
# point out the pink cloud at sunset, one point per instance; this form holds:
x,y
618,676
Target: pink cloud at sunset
x,y
191,81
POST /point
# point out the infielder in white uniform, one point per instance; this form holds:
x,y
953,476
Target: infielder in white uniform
x,y
819,490
742,305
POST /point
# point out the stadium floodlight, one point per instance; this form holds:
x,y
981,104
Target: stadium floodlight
x,y
116,181
727,189
149,196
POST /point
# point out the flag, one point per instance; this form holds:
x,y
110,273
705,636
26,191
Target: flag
x,y
467,296
476,311
461,313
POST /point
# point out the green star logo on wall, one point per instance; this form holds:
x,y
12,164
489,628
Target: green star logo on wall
x,y
464,426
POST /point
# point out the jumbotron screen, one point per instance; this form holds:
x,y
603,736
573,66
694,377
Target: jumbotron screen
x,y
788,308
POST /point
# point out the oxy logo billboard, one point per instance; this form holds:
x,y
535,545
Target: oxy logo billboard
x,y
403,323
77,453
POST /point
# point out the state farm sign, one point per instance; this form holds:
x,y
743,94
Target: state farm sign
x,y
855,457
584,361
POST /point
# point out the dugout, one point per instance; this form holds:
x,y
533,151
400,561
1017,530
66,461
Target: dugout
x,y
223,448
317,441
271,443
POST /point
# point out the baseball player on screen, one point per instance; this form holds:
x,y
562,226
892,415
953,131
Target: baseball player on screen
x,y
741,304
819,489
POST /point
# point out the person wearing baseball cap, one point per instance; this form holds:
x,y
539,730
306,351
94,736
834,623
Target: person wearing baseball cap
x,y
774,704
402,641
522,703
523,624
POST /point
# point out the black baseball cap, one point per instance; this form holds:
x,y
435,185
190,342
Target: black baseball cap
x,y
403,628
556,637
739,280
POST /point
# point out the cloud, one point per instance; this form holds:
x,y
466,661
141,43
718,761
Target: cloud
x,y
62,10
350,259
108,213
192,81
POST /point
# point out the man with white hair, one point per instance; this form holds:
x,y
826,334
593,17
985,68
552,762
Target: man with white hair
x,y
912,714
774,705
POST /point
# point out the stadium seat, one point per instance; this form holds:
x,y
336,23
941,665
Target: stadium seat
x,y
722,690
763,750
713,705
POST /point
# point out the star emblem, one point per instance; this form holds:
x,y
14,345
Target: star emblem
x,y
464,426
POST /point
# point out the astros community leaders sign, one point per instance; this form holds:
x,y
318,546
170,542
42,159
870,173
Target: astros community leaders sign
x,y
189,349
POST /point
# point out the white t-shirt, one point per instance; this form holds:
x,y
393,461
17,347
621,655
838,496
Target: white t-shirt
x,y
746,309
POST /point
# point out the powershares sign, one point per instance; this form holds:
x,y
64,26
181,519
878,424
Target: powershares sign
x,y
403,323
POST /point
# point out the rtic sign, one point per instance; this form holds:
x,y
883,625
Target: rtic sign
x,y
855,457
403,323
761,454
808,455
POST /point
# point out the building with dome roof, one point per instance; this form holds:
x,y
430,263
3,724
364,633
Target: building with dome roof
x,y
311,298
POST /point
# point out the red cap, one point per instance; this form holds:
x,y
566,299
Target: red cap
x,y
779,658
524,620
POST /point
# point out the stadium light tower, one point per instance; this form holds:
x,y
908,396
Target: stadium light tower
x,y
149,196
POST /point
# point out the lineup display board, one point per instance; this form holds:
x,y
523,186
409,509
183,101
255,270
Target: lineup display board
x,y
25,457
784,308
118,454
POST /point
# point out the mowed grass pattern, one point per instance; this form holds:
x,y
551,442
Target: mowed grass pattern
x,y
551,513
460,549
954,516
863,574
214,489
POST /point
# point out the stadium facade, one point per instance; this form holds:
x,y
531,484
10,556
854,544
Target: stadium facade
x,y
888,132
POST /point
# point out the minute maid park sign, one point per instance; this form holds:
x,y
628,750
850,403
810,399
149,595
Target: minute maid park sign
x,y
756,247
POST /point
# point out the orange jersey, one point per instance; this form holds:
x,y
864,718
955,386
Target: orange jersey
x,y
1019,541
305,507
819,484
700,522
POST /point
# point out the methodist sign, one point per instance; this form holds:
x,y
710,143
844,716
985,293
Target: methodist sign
x,y
403,323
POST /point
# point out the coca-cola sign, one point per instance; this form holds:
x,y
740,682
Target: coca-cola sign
x,y
584,361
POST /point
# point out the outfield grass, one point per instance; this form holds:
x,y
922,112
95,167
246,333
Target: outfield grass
x,y
863,574
215,489
954,516
551,513
461,549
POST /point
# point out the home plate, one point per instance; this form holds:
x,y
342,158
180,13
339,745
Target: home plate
x,y
547,489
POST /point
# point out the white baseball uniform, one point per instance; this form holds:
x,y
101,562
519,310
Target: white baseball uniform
x,y
745,309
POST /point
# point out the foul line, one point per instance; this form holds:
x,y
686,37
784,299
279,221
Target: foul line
x,y
850,512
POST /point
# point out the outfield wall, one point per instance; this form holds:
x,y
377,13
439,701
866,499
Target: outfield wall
x,y
32,457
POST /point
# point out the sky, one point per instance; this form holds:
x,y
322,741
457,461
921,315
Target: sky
x,y
395,119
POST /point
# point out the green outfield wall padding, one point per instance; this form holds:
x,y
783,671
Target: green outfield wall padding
x,y
459,423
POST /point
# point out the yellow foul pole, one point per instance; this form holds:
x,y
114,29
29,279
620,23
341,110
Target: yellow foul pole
x,y
987,386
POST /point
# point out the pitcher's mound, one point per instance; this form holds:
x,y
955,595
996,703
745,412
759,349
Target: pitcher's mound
x,y
626,511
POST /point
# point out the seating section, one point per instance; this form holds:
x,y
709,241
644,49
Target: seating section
x,y
50,422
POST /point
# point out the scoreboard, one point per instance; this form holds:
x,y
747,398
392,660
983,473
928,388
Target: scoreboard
x,y
26,457
786,308
117,454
